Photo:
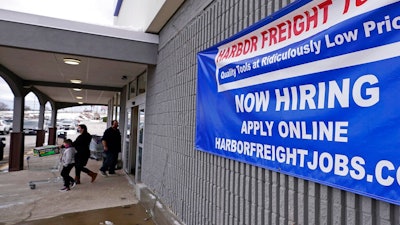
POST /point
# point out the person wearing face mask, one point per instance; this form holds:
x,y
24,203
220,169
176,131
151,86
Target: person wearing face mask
x,y
81,145
67,160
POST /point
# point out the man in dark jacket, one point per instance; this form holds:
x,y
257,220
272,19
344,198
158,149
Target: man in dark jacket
x,y
112,146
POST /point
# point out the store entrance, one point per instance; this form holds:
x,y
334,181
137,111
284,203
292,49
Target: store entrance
x,y
134,139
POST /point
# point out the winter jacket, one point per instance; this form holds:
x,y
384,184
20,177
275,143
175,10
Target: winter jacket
x,y
68,156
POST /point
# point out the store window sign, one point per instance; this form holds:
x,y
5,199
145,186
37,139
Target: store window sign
x,y
310,92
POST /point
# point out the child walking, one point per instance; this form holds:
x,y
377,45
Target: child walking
x,y
68,162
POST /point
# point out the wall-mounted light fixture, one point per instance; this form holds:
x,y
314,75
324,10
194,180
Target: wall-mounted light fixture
x,y
71,61
80,103
76,81
77,89
79,97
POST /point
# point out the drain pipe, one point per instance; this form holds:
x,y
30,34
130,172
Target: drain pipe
x,y
118,8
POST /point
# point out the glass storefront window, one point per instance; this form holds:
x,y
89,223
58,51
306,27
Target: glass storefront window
x,y
142,82
138,86
132,88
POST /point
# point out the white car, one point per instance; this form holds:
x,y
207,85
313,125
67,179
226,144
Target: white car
x,y
5,127
30,126
66,125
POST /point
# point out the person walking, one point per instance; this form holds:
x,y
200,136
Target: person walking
x,y
68,162
81,145
112,146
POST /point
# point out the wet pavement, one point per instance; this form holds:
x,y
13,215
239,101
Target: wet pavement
x,y
125,215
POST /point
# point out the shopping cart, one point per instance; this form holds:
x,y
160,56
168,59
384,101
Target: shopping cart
x,y
47,160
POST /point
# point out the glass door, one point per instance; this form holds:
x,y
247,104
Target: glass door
x,y
127,141
140,142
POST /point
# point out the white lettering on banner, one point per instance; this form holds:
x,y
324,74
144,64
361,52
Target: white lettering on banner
x,y
257,100
340,39
315,130
262,128
387,165
292,156
339,164
311,47
385,172
381,27
243,68
372,93
319,130
230,73
311,96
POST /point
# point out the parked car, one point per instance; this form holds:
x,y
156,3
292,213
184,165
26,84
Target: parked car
x,y
31,126
66,125
10,122
5,127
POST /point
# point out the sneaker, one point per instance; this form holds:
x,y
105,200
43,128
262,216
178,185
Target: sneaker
x,y
104,174
65,189
73,184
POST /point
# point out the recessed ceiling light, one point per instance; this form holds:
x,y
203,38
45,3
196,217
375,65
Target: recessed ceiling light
x,y
80,103
79,97
76,81
77,89
71,61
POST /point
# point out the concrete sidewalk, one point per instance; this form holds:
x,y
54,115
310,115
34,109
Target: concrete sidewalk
x,y
20,204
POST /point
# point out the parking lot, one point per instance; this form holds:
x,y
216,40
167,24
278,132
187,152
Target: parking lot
x,y
94,128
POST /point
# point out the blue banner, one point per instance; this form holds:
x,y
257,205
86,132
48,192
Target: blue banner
x,y
310,91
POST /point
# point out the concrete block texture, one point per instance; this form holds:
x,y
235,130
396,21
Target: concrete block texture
x,y
202,188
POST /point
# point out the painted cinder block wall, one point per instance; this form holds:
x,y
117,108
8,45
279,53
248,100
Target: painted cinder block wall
x,y
203,189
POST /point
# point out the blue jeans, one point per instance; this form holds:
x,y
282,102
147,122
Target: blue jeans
x,y
109,161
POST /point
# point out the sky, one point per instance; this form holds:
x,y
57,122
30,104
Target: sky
x,y
99,12
89,11
7,97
